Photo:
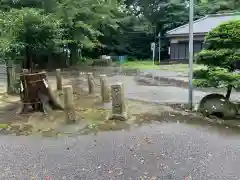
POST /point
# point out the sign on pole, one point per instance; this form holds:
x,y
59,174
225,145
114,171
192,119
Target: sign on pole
x,y
153,46
159,47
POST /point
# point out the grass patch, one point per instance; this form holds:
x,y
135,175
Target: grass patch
x,y
167,67
140,65
3,126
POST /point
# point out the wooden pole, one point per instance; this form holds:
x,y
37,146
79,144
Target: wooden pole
x,y
105,94
118,102
59,79
90,83
11,79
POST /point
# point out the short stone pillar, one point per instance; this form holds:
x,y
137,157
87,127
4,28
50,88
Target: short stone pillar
x,y
118,103
68,97
90,82
59,79
105,94
68,104
80,75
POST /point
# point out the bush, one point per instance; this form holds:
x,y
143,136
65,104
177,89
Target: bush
x,y
221,56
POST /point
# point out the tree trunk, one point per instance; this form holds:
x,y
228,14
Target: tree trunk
x,y
228,94
11,78
27,63
37,93
74,56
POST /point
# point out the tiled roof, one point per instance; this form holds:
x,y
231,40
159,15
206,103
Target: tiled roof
x,y
204,24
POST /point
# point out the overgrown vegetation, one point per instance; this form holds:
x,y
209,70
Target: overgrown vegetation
x,y
43,30
221,58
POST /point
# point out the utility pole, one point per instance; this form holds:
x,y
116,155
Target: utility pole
x,y
190,73
159,47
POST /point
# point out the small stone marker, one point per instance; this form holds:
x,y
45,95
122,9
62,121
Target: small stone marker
x,y
68,97
118,102
80,75
105,94
59,79
90,82
68,104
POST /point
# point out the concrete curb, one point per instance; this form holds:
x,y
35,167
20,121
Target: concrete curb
x,y
182,84
172,82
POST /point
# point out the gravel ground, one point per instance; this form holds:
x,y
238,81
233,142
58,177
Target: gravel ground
x,y
165,151
156,151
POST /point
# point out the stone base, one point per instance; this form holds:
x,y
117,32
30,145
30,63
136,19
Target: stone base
x,y
120,117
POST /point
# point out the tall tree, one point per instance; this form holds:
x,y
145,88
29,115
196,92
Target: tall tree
x,y
27,31
84,21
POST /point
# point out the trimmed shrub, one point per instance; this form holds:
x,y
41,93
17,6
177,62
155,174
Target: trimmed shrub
x,y
221,57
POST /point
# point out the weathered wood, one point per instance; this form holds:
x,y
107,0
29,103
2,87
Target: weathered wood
x,y
105,94
36,93
59,79
23,106
90,83
118,102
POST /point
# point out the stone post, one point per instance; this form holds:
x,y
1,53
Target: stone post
x,y
59,79
118,102
79,76
11,79
68,97
105,94
68,104
90,83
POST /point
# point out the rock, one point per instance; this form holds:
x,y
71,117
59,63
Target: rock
x,y
49,132
217,105
147,81
196,106
25,127
148,75
157,78
14,127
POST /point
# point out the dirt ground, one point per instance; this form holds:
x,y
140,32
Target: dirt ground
x,y
89,115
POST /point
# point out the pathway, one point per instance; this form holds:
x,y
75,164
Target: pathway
x,y
161,151
159,94
157,151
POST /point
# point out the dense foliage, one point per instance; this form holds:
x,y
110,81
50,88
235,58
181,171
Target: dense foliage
x,y
27,30
90,28
221,57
